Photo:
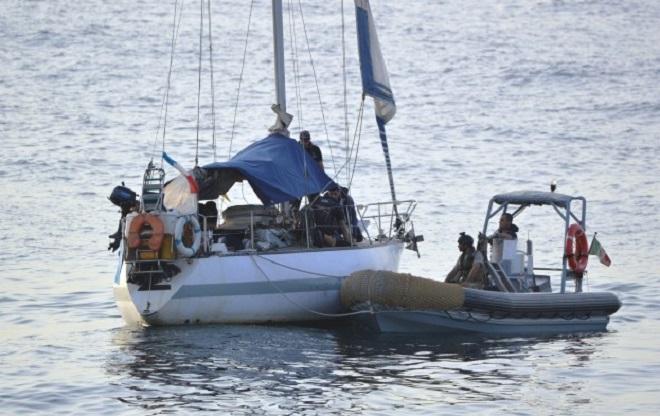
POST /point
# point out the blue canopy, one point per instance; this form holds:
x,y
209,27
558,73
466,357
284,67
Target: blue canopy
x,y
277,168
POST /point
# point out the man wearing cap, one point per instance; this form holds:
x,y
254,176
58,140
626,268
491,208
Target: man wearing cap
x,y
469,270
311,148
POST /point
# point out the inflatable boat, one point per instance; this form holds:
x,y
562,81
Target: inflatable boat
x,y
515,297
397,302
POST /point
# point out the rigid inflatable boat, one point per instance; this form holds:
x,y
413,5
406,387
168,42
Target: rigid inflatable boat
x,y
397,302
516,297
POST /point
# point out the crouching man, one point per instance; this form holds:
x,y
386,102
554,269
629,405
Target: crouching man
x,y
470,270
331,228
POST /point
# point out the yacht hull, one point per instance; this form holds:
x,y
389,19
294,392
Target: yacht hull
x,y
251,287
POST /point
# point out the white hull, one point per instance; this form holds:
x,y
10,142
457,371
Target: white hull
x,y
252,287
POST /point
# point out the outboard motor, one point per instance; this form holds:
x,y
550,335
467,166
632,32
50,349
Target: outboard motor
x,y
125,199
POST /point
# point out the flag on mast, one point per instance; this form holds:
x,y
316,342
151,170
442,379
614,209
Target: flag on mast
x,y
194,187
597,249
375,80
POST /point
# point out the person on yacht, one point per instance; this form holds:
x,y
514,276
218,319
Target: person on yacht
x,y
313,150
331,228
469,270
348,205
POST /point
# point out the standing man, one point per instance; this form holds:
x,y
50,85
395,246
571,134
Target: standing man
x,y
469,270
311,148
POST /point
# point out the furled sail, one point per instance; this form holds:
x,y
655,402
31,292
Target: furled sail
x,y
375,79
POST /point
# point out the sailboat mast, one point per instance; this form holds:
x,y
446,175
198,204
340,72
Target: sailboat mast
x,y
278,51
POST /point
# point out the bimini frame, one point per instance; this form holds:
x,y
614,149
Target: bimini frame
x,y
516,202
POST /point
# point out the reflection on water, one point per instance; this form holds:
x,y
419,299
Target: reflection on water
x,y
294,370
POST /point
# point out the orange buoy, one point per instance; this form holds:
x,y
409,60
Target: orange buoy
x,y
157,231
577,249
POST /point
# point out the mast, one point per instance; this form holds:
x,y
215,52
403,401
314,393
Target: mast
x,y
278,62
278,53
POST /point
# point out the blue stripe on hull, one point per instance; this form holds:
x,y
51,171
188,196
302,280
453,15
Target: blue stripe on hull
x,y
260,288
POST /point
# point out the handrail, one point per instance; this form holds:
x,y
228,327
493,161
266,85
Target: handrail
x,y
409,204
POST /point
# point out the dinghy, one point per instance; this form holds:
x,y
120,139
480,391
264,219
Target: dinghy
x,y
518,299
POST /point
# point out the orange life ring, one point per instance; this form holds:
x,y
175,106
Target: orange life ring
x,y
578,257
157,231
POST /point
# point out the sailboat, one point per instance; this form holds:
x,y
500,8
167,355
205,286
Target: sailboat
x,y
256,263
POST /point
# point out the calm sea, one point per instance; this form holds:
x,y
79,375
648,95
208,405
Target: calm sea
x,y
492,97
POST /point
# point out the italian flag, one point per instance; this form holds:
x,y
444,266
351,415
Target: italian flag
x,y
597,250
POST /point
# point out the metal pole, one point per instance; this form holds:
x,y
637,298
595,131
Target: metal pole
x,y
564,270
488,215
278,51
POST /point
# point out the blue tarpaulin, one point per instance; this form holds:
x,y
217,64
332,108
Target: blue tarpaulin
x,y
277,168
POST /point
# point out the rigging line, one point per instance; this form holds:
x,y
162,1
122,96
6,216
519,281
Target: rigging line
x,y
339,171
295,62
199,75
213,144
318,90
287,297
347,162
175,35
358,133
356,136
162,101
360,113
344,79
296,269
240,80
296,79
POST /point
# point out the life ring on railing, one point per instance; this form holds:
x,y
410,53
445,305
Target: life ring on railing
x,y
181,248
577,254
157,231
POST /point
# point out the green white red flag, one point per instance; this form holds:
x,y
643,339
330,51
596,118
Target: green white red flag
x,y
597,249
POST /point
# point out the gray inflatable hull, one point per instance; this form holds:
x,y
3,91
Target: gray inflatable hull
x,y
395,302
462,322
541,305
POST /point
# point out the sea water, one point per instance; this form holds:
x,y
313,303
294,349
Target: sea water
x,y
492,97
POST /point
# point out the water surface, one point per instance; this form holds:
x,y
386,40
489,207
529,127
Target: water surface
x,y
491,98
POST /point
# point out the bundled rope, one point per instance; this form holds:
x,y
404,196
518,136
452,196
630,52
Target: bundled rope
x,y
399,290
